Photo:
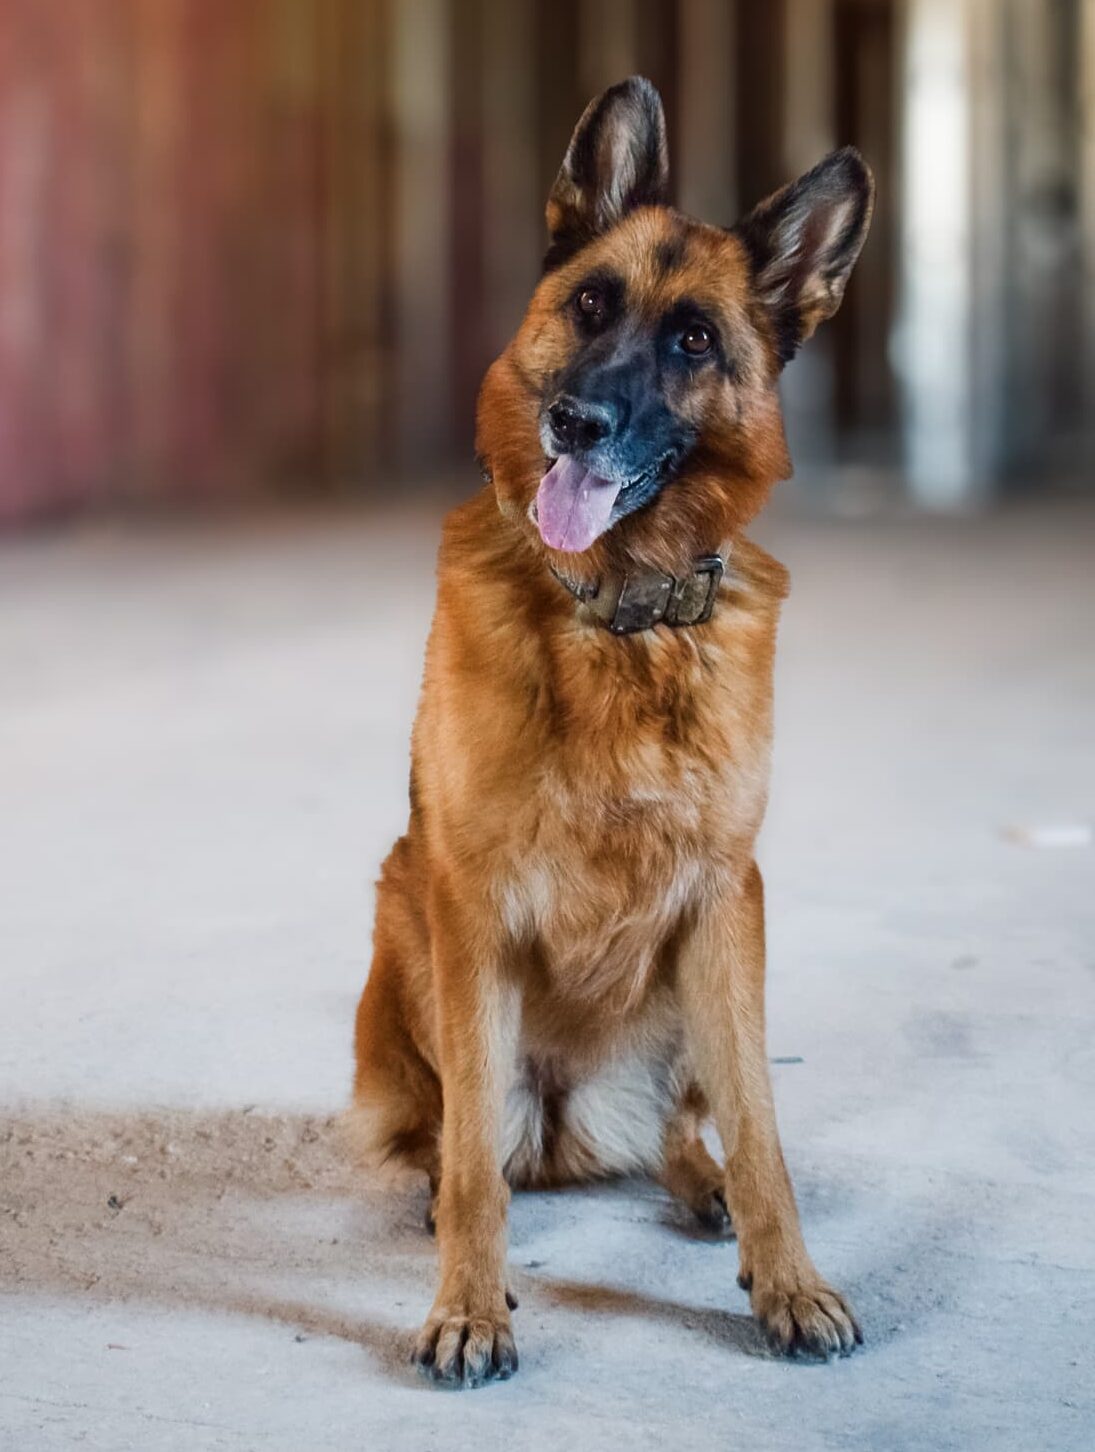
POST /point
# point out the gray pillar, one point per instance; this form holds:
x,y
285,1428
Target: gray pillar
x,y
1087,202
1087,214
934,359
809,131
1045,329
990,228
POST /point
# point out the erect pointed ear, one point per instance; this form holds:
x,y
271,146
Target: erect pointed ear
x,y
803,242
616,160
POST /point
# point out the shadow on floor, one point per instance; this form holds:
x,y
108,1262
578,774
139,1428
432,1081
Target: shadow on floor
x,y
250,1214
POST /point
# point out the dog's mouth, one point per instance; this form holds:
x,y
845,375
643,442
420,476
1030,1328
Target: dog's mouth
x,y
574,505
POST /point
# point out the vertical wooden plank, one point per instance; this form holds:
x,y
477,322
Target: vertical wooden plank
x,y
156,230
759,100
706,169
1086,61
374,238
353,63
254,234
513,232
67,260
244,229
200,332
992,224
561,94
809,106
379,214
293,182
808,127
331,32
864,114
608,47
468,337
1044,275
657,56
422,209
114,203
25,159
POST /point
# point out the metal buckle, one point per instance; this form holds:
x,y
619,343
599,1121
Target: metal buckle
x,y
651,599
714,567
642,603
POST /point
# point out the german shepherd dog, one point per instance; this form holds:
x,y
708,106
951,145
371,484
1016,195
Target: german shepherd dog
x,y
568,970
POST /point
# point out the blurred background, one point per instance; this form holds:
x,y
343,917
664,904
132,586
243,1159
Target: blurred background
x,y
272,245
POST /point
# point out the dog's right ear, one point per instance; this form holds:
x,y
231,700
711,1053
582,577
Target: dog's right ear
x,y
617,159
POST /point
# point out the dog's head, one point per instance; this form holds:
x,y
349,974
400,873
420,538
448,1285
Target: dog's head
x,y
636,413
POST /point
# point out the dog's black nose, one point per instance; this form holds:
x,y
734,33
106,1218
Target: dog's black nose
x,y
579,425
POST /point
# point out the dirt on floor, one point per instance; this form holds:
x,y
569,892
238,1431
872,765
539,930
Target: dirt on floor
x,y
126,1206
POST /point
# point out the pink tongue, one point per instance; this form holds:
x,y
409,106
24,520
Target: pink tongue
x,y
573,506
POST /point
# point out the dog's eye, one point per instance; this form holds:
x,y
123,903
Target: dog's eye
x,y
591,305
697,340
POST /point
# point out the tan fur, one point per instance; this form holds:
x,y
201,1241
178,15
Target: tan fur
x,y
569,948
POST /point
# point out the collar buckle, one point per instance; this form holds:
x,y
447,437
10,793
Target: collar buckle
x,y
651,598
648,597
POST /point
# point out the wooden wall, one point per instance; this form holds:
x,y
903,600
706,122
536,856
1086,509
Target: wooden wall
x,y
191,241
248,244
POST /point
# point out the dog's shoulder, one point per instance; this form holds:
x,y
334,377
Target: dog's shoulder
x,y
485,647
494,592
757,575
474,534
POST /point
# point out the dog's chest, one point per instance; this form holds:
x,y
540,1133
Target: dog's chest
x,y
620,801
612,862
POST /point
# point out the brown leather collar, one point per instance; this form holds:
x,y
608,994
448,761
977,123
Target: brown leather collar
x,y
642,598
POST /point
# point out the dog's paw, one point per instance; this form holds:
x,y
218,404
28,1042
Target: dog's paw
x,y
808,1319
711,1212
465,1347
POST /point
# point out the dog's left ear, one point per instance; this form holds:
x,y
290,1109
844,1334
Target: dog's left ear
x,y
617,159
803,242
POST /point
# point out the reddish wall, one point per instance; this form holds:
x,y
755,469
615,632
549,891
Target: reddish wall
x,y
170,308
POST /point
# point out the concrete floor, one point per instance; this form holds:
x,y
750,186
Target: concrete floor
x,y
203,748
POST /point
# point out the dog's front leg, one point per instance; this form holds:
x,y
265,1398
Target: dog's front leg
x,y
467,1337
722,993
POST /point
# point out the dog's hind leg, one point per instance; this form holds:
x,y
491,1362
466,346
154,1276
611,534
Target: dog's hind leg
x,y
395,1119
688,1171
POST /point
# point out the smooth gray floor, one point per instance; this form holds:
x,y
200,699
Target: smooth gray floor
x,y
203,755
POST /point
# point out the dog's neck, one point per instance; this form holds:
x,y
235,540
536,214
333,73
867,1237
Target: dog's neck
x,y
645,597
